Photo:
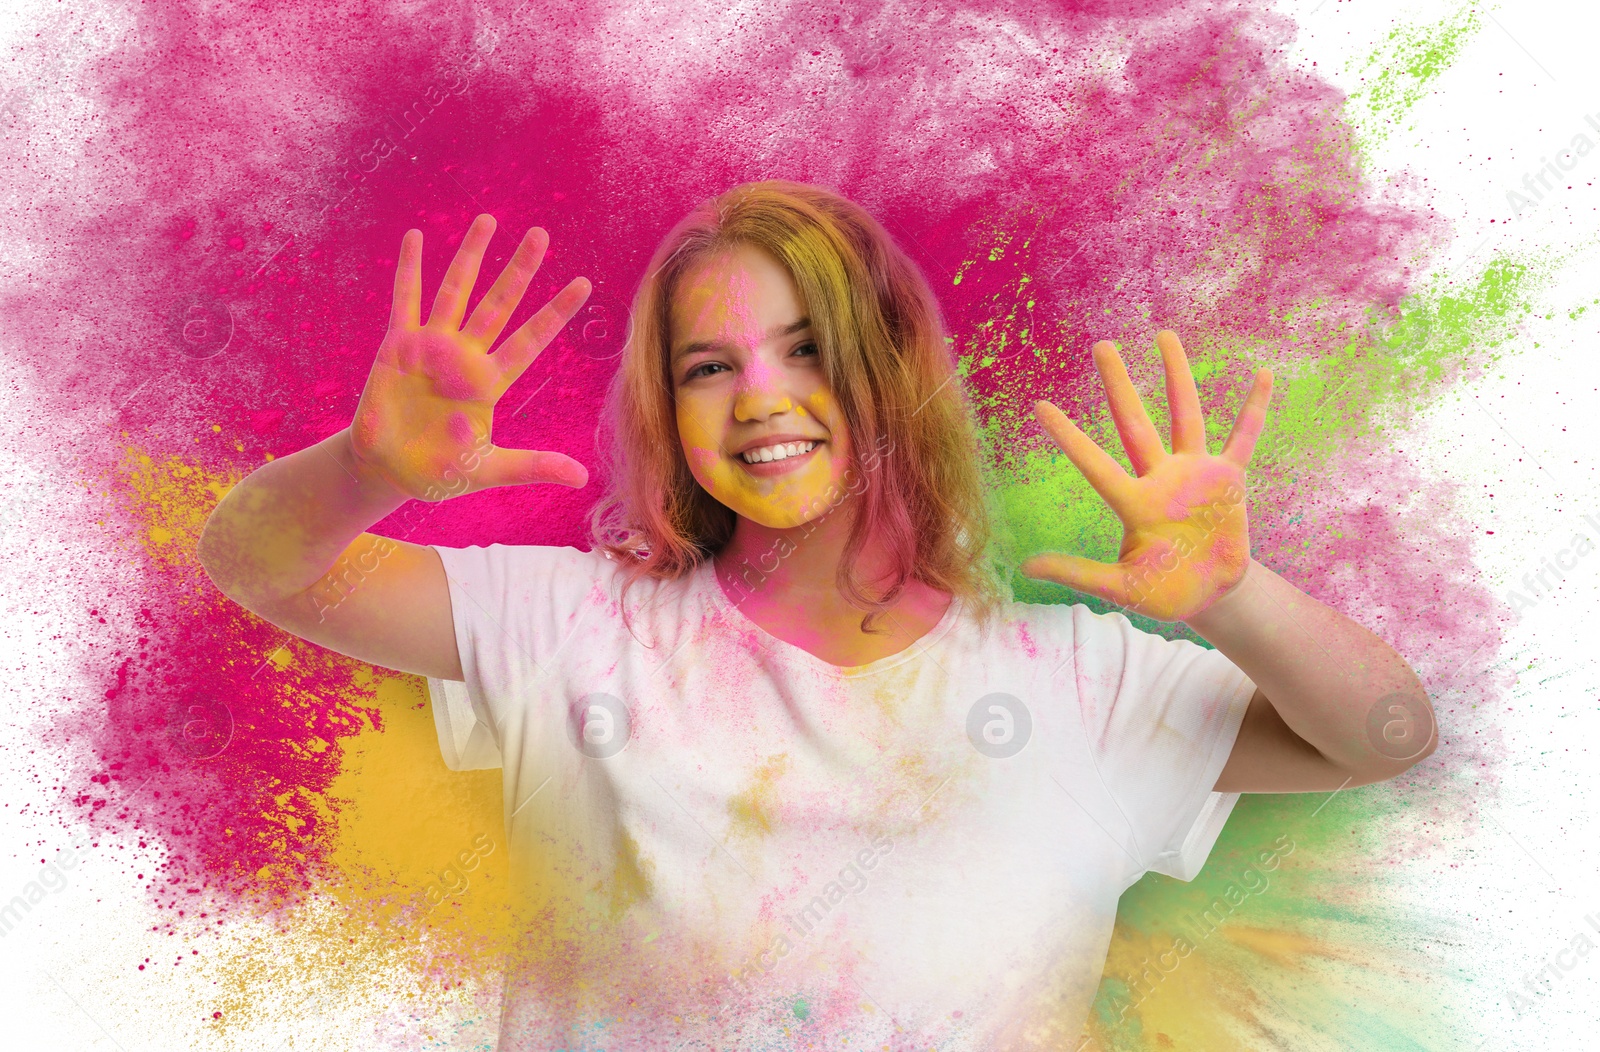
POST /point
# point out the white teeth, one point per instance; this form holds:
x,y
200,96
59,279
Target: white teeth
x,y
767,454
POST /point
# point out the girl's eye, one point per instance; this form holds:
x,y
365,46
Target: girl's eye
x,y
695,372
699,370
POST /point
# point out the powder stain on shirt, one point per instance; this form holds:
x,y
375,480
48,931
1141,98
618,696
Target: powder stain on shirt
x,y
752,810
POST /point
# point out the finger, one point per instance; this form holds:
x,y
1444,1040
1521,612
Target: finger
x,y
524,345
405,310
450,304
520,467
1183,401
490,316
1139,438
1103,473
1247,425
1084,575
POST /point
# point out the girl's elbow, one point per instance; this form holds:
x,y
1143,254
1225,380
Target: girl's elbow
x,y
1401,732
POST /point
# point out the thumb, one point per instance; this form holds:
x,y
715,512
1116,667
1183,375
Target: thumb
x,y
519,467
1105,580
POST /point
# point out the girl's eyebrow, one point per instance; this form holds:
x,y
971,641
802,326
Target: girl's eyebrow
x,y
697,346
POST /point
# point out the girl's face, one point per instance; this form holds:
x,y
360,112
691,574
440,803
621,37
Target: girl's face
x,y
747,376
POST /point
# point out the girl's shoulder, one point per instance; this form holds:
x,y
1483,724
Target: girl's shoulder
x,y
1078,627
554,557
1016,631
1043,617
1072,616
531,571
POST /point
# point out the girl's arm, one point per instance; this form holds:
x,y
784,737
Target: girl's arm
x,y
288,542
1335,705
1345,709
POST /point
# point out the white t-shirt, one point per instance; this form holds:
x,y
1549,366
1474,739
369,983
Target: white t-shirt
x,y
721,841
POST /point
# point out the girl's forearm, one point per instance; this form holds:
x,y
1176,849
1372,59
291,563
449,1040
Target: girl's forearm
x,y
279,530
1331,680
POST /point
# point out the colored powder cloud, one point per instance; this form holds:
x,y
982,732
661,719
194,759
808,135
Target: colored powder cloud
x,y
1400,72
1063,172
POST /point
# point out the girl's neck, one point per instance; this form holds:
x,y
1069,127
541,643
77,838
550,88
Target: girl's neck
x,y
786,581
800,565
764,565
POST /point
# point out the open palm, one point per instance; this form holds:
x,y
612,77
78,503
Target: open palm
x,y
1186,536
426,414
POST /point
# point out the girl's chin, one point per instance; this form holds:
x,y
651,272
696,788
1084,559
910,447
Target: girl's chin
x,y
793,502
779,512
773,515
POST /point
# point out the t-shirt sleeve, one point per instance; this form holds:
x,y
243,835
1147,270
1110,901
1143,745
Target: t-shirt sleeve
x,y
1161,717
514,608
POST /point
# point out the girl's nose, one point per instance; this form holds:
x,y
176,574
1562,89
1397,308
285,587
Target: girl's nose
x,y
757,402
760,390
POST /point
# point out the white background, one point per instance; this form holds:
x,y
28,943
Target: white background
x,y
1518,889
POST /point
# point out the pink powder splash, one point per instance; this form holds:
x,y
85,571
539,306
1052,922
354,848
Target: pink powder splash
x,y
219,261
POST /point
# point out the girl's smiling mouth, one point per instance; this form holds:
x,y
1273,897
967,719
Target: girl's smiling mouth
x,y
776,458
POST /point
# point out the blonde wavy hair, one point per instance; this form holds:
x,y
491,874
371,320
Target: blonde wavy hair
x,y
883,351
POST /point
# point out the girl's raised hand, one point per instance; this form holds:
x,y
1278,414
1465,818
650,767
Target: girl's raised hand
x,y
1185,535
426,414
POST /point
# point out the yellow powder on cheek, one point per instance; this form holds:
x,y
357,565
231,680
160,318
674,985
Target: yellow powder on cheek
x,y
700,448
825,409
693,429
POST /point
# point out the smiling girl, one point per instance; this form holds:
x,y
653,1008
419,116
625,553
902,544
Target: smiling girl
x,y
783,767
